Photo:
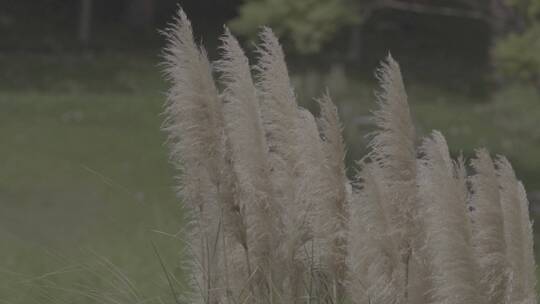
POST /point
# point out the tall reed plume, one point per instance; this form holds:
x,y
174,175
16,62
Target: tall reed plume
x,y
274,217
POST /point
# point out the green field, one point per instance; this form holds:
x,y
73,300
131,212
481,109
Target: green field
x,y
86,188
84,176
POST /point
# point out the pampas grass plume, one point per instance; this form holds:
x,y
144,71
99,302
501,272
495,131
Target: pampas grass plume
x,y
273,217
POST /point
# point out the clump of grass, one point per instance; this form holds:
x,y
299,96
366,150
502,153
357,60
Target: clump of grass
x,y
275,219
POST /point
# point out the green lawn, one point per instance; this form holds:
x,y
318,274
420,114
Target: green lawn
x,y
84,175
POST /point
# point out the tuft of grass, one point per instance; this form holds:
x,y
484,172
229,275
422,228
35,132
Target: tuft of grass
x,y
414,226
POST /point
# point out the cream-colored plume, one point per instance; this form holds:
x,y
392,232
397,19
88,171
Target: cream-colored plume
x,y
445,220
334,213
244,130
279,114
529,274
517,231
295,153
376,274
194,124
488,229
392,148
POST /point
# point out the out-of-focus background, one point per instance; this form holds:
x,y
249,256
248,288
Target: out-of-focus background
x,y
87,206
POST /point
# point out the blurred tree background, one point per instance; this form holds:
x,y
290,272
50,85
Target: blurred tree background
x,y
86,192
